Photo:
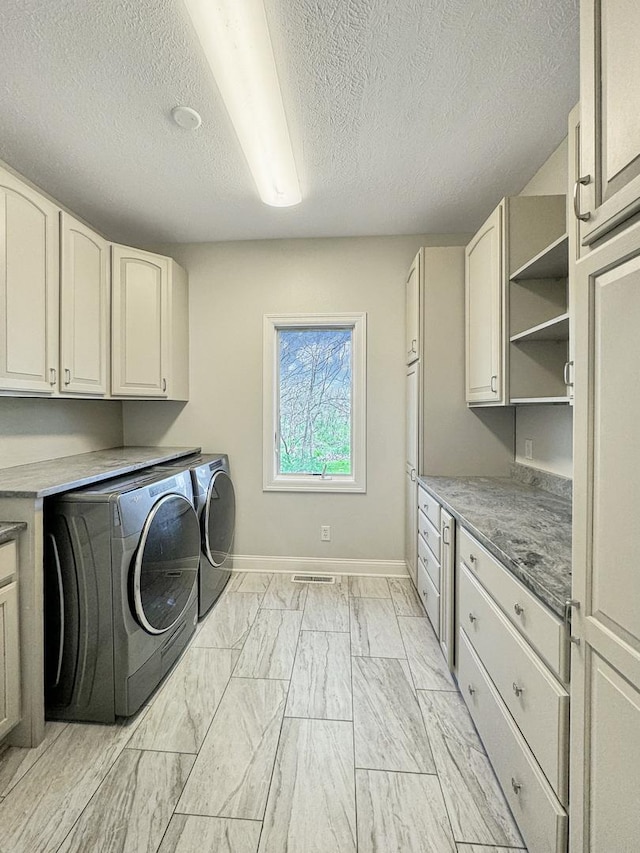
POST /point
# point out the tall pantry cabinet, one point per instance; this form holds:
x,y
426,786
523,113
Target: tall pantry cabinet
x,y
605,610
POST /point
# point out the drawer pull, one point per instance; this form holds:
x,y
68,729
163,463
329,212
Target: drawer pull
x,y
517,689
517,786
519,609
472,558
425,534
445,538
471,690
472,618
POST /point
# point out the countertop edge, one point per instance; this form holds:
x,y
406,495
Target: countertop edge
x,y
542,593
97,477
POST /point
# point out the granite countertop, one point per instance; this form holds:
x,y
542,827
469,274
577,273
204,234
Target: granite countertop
x,y
527,529
10,530
41,479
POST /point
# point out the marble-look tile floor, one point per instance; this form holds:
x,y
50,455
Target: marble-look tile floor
x,y
301,719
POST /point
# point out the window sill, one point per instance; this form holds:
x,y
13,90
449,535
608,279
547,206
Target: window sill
x,y
314,484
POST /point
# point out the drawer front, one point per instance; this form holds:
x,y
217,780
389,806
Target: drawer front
x,y
542,628
536,700
429,506
541,819
430,597
430,563
430,535
8,560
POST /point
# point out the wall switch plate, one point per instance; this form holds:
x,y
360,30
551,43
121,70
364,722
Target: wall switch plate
x,y
325,533
528,448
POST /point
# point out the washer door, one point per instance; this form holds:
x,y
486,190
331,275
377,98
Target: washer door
x,y
219,518
165,568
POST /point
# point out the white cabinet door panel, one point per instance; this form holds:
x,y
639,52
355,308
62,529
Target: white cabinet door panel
x,y
9,659
412,311
29,279
84,309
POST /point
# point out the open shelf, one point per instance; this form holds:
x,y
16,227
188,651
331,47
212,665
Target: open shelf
x,y
521,401
555,329
551,262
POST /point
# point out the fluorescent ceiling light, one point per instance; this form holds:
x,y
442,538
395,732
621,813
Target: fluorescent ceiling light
x,y
235,37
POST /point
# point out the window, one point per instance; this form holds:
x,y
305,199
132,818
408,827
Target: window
x,y
314,402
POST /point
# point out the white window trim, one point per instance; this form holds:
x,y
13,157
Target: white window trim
x,y
271,480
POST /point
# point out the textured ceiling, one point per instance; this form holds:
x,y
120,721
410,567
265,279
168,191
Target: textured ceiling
x,y
407,116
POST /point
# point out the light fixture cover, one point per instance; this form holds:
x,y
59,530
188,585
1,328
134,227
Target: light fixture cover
x,y
235,37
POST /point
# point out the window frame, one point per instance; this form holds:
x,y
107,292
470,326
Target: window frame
x,y
271,479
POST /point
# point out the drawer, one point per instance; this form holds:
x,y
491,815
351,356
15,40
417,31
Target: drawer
x,y
429,506
8,560
542,628
429,533
537,701
430,563
540,817
429,596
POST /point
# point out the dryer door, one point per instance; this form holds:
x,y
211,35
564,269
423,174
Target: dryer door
x,y
219,518
165,567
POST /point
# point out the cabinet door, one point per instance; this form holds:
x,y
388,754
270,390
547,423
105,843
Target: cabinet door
x,y
605,667
411,524
413,417
574,230
84,309
28,288
139,323
447,564
483,303
412,311
610,103
9,659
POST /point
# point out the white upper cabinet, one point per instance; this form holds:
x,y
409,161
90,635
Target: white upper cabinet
x,y
483,280
412,309
84,309
609,189
150,326
29,278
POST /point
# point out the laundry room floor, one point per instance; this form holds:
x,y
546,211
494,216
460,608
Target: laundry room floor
x,y
302,718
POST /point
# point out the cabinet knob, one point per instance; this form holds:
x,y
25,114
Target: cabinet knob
x,y
517,786
472,618
517,689
583,181
472,558
471,690
519,609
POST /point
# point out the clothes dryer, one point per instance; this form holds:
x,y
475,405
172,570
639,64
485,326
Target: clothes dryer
x,y
121,592
215,504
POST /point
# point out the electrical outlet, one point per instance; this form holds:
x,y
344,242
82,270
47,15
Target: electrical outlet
x,y
528,448
325,533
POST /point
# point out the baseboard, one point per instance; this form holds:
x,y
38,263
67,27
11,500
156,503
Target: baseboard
x,y
320,566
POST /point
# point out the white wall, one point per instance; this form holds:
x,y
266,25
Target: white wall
x,y
231,287
35,429
549,427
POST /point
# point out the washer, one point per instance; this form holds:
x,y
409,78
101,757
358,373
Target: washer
x,y
121,592
215,504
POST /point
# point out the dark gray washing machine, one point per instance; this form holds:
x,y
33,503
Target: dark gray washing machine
x,y
215,504
121,592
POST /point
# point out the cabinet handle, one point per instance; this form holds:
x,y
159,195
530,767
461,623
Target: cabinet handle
x,y
445,529
517,689
471,690
472,618
568,605
494,380
413,475
67,376
425,534
517,786
584,180
164,384
566,373
472,558
53,376
519,609
413,345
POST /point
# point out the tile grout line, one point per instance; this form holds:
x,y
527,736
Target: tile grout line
x,y
7,791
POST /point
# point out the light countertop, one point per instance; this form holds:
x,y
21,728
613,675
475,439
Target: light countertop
x,y
41,479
